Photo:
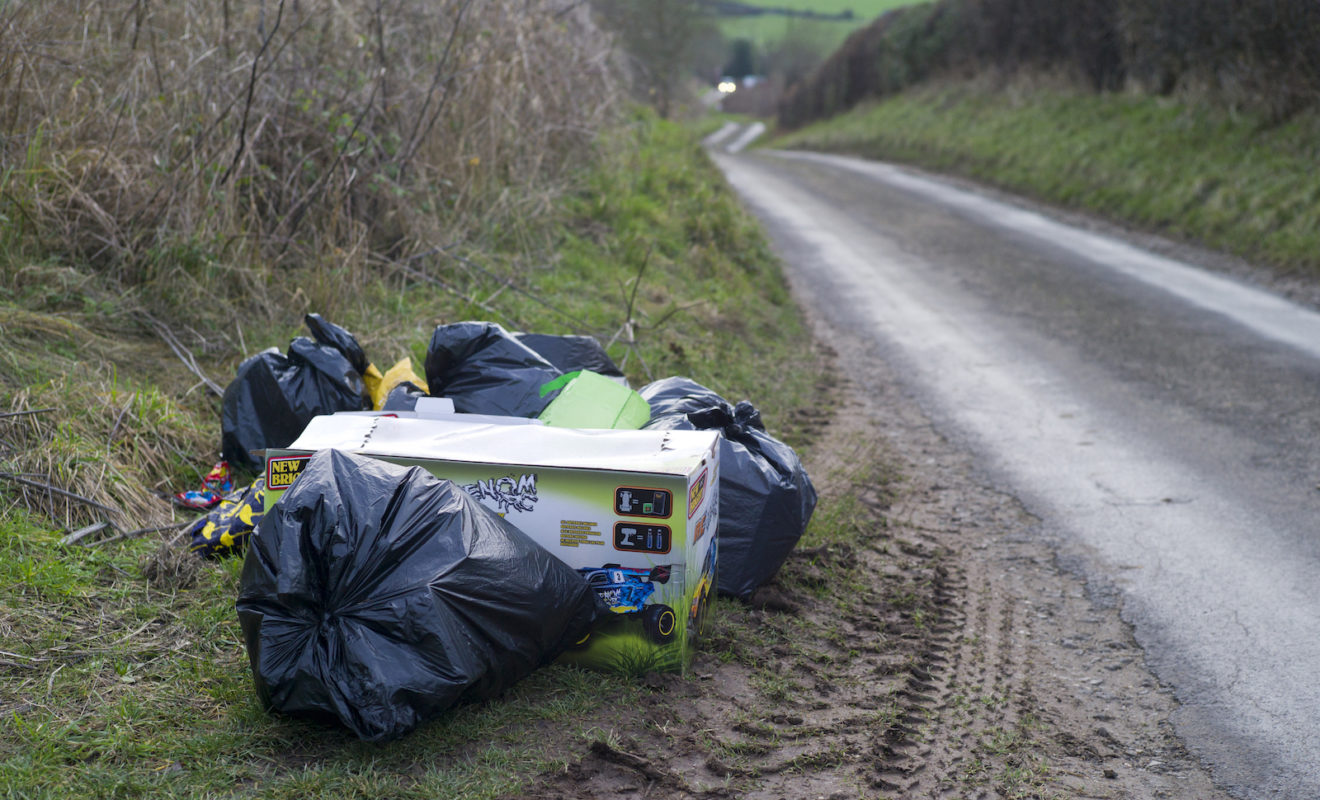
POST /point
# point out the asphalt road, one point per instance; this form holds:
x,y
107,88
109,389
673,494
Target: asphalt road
x,y
1162,422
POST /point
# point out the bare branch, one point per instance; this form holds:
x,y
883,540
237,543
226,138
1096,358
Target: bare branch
x,y
4,414
174,526
83,533
109,440
295,216
422,276
251,90
58,491
418,134
578,327
184,355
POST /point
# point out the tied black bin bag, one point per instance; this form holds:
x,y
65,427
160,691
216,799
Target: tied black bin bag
x,y
484,370
380,596
765,496
273,397
340,339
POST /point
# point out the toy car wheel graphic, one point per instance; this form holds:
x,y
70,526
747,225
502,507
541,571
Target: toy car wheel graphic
x,y
660,623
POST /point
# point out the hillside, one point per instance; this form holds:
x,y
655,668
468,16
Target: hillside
x,y
786,24
828,22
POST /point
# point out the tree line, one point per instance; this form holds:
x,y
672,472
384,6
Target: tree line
x,y
1263,54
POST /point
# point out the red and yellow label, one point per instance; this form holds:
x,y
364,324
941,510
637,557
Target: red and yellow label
x,y
282,472
696,493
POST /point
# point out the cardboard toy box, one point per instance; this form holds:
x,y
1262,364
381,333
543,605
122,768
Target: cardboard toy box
x,y
635,512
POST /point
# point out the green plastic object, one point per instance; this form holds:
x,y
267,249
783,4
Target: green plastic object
x,y
589,400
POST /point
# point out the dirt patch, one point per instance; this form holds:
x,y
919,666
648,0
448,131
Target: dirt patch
x,y
927,647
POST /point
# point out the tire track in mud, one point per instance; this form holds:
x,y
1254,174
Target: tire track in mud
x,y
1030,683
937,653
968,685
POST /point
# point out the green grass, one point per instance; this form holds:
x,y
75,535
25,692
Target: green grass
x,y
769,29
122,669
1226,180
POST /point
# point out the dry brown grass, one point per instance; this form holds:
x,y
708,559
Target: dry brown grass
x,y
178,172
207,148
81,441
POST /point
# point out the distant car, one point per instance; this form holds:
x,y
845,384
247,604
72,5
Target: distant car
x,y
626,589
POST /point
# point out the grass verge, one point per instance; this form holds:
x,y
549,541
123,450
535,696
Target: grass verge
x,y
122,671
1229,181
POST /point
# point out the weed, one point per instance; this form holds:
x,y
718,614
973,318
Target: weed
x,y
635,659
775,686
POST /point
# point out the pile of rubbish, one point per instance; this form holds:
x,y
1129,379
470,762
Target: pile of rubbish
x,y
380,595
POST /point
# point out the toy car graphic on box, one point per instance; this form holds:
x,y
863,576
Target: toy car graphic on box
x,y
626,590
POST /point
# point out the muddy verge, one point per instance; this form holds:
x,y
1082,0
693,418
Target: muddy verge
x,y
923,645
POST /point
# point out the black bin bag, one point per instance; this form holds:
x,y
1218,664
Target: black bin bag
x,y
485,370
765,495
403,397
273,397
380,596
338,338
572,353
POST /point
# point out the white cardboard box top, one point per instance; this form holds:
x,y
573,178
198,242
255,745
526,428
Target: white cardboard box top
x,y
657,452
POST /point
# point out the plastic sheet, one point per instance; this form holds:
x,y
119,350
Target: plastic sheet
x,y
766,498
484,370
328,333
225,530
399,375
588,400
380,596
403,397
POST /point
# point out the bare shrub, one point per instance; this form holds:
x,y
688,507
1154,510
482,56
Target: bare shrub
x,y
198,143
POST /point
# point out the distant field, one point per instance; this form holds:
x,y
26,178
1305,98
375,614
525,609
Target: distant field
x,y
768,29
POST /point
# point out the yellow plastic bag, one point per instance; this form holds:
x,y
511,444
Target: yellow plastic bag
x,y
382,385
372,379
